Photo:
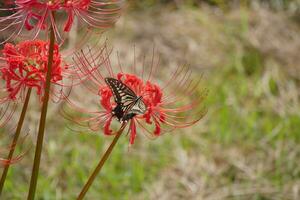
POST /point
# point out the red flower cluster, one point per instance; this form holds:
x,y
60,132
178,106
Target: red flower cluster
x,y
166,109
37,15
25,66
38,11
151,95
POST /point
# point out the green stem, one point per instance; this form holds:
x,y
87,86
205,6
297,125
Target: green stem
x,y
15,139
40,137
100,165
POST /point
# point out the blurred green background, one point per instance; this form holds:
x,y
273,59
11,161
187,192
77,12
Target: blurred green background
x,y
246,147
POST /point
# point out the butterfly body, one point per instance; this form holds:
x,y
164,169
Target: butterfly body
x,y
128,103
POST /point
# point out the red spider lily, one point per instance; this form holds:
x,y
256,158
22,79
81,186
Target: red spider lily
x,y
172,105
24,66
27,18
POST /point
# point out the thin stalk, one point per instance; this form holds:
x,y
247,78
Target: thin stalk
x,y
100,165
40,137
15,139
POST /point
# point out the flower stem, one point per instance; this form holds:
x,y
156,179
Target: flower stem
x,y
15,139
40,137
100,165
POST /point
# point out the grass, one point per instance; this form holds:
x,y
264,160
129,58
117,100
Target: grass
x,y
246,147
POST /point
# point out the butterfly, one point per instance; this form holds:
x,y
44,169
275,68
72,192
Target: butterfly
x,y
128,103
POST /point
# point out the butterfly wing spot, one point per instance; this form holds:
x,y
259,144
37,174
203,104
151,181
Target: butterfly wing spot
x,y
128,104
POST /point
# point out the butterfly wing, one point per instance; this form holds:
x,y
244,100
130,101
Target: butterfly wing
x,y
139,107
123,95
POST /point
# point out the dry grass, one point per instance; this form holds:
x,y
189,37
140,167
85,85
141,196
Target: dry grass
x,y
235,172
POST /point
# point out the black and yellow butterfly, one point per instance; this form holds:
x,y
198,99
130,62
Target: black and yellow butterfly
x,y
128,103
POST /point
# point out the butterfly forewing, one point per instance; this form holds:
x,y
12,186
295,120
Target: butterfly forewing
x,y
121,92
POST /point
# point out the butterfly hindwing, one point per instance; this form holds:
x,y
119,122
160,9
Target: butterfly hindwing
x,y
138,108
